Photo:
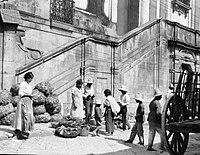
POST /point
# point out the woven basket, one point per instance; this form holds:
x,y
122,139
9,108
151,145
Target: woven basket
x,y
84,130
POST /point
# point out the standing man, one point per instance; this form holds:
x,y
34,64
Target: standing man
x,y
89,99
123,102
138,126
154,118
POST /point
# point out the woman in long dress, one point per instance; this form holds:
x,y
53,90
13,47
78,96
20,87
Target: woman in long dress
x,y
77,101
24,119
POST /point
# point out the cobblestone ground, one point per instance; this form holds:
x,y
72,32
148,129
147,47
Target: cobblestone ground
x,y
43,142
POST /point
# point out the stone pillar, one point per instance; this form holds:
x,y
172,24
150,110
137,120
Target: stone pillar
x,y
164,9
196,19
152,10
9,20
122,17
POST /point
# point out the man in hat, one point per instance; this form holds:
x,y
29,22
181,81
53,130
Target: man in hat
x,y
154,119
123,102
88,99
138,126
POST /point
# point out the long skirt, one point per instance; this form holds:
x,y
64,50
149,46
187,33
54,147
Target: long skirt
x,y
24,119
109,120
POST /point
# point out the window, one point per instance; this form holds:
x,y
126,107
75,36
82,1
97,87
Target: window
x,y
62,11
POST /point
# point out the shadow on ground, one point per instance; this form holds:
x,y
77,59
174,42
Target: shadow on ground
x,y
5,129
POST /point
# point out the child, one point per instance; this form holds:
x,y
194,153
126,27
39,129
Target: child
x,y
98,116
138,126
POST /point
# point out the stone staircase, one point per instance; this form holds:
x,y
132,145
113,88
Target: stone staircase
x,y
63,63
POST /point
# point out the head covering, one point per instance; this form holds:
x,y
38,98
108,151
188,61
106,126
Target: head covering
x,y
171,86
123,88
28,75
157,92
107,92
79,81
90,80
138,97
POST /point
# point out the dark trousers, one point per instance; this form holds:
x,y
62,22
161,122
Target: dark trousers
x,y
137,129
109,120
153,128
88,110
123,111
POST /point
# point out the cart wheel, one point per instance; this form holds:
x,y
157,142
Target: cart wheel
x,y
176,142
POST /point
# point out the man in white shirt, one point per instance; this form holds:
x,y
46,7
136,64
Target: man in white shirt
x,y
89,99
123,102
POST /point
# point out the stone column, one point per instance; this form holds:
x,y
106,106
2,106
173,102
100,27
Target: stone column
x,y
8,25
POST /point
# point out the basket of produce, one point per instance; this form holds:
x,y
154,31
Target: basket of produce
x,y
45,88
5,97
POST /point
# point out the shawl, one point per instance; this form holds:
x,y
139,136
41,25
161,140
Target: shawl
x,y
114,105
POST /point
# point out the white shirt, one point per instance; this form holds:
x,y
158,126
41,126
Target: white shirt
x,y
124,99
25,88
89,90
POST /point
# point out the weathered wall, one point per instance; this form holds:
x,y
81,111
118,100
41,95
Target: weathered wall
x,y
147,62
37,36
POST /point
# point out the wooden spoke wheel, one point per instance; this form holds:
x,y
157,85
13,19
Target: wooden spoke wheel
x,y
175,141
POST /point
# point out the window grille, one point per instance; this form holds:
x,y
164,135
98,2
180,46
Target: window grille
x,y
62,10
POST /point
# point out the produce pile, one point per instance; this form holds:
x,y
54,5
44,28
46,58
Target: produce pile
x,y
46,108
70,127
46,105
7,110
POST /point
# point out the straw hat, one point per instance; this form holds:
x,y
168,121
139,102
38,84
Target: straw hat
x,y
123,88
157,92
138,97
89,80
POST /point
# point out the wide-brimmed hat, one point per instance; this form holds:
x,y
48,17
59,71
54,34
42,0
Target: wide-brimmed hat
x,y
90,80
157,92
123,88
138,97
171,86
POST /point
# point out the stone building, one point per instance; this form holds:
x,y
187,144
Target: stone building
x,y
138,43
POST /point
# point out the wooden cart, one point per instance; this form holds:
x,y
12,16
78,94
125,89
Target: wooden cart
x,y
181,112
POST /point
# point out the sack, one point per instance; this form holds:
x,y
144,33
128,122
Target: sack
x,y
114,105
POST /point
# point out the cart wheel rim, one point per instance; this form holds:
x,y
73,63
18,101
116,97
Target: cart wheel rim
x,y
176,142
